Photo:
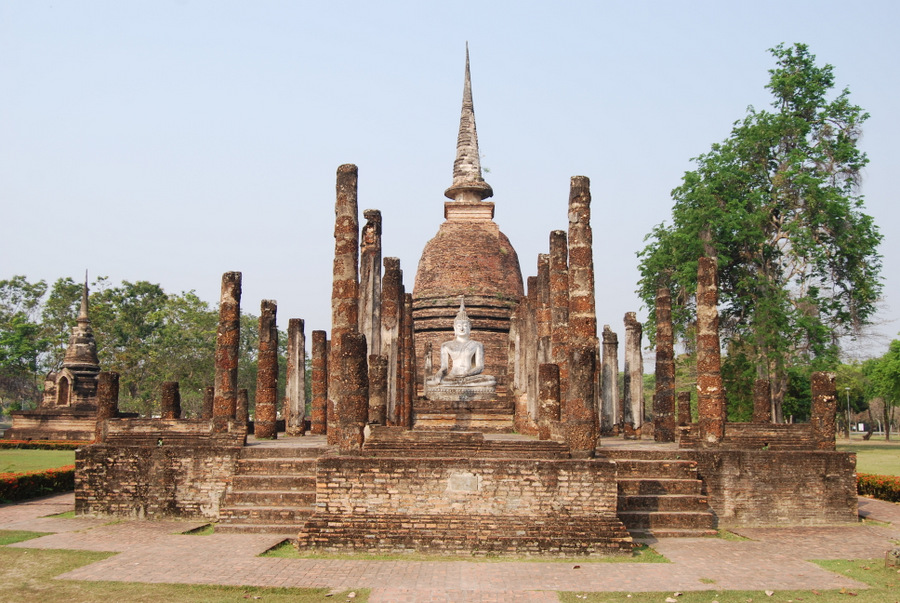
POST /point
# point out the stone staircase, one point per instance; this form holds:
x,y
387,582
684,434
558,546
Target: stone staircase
x,y
274,491
466,534
661,497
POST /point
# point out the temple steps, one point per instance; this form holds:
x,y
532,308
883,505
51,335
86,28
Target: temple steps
x,y
467,535
273,492
661,497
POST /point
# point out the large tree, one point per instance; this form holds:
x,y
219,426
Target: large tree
x,y
21,343
884,380
777,204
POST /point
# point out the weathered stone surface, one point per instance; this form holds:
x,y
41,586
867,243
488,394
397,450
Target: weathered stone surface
x,y
582,312
710,390
409,361
370,280
762,403
242,409
391,310
634,373
209,396
107,401
684,408
227,342
137,477
578,415
319,367
609,382
548,375
345,288
295,386
761,487
559,307
664,400
349,390
377,388
170,404
824,409
264,426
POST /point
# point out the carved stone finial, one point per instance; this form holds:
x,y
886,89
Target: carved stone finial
x,y
468,185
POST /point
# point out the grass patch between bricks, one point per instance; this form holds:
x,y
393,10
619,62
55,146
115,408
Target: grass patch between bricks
x,y
288,550
27,575
12,536
884,587
64,515
201,531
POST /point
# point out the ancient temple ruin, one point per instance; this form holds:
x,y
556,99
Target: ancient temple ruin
x,y
470,415
69,405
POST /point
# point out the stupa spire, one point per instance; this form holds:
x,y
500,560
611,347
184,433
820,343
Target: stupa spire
x,y
83,311
82,351
468,185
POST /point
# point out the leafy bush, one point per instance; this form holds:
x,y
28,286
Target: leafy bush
x,y
884,487
19,486
42,444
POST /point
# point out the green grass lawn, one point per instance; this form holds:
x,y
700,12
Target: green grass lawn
x,y
18,461
874,456
286,550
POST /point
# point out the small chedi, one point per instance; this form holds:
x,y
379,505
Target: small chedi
x,y
461,375
69,405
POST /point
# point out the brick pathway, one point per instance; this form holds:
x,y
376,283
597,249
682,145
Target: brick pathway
x,y
156,551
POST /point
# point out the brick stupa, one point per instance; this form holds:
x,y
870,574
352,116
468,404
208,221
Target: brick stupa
x,y
468,257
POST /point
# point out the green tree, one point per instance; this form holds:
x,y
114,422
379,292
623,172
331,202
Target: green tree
x,y
777,205
884,378
21,343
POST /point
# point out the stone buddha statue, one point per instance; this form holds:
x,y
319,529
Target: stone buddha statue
x,y
461,376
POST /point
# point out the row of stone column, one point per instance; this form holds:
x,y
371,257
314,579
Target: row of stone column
x,y
225,404
370,369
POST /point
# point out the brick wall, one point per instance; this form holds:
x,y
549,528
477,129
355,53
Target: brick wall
x,y
466,486
750,487
160,481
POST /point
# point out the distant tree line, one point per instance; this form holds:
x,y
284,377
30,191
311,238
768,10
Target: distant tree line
x,y
146,335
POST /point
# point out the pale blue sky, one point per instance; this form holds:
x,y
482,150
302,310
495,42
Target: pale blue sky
x,y
172,141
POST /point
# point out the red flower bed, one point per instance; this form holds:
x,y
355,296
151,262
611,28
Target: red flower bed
x,y
19,486
42,444
884,487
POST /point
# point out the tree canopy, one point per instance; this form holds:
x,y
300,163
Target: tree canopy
x,y
777,204
143,333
